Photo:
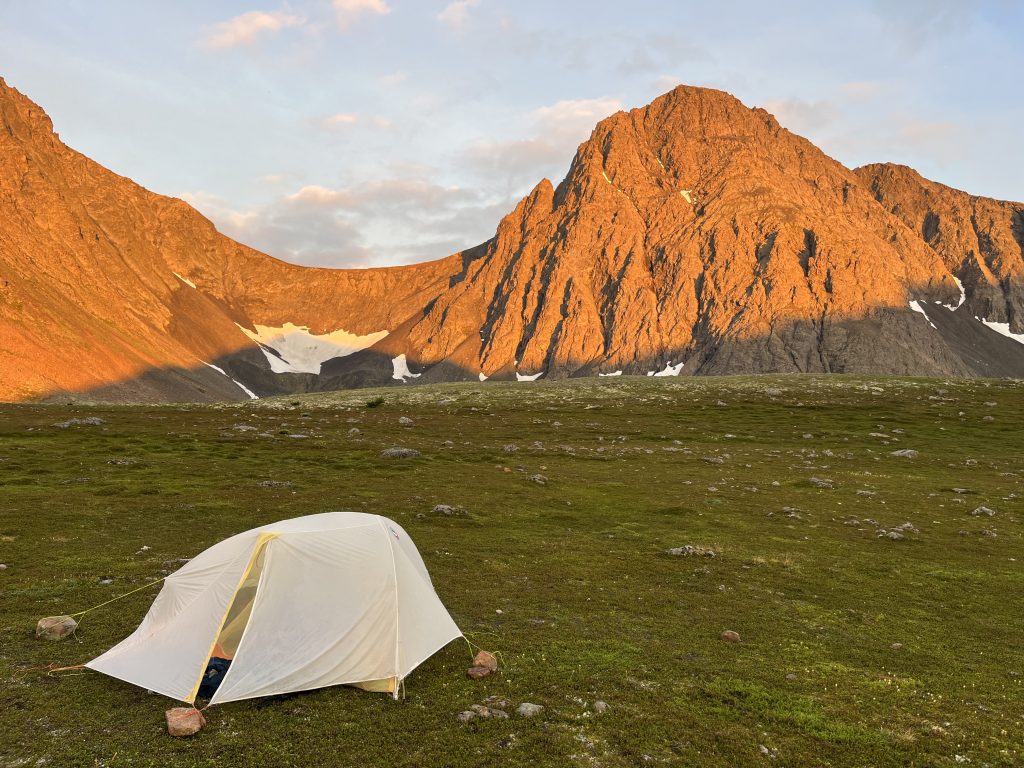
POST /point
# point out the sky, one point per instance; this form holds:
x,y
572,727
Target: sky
x,y
355,133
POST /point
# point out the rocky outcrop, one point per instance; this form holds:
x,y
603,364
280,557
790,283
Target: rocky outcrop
x,y
691,236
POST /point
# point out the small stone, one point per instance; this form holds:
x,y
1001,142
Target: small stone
x,y
687,550
465,717
538,479
730,637
791,676
906,453
184,721
486,659
510,448
894,535
896,646
819,482
600,706
105,580
980,511
3,566
526,709
400,453
478,672
354,431
405,421
448,510
55,627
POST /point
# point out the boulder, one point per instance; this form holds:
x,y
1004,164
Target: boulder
x,y
526,709
184,721
55,627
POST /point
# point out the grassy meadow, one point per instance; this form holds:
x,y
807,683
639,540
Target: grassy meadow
x,y
856,649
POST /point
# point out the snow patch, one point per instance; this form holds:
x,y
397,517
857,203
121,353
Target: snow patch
x,y
185,280
299,351
686,195
963,297
613,373
528,376
482,376
252,395
916,306
670,370
401,366
1004,329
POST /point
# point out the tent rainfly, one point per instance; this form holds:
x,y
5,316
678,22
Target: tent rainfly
x,y
329,599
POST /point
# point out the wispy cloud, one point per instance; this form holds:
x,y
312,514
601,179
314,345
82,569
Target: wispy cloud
x,y
350,12
340,120
803,117
247,28
455,15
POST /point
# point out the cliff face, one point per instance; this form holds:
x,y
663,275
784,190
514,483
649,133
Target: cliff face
x,y
693,235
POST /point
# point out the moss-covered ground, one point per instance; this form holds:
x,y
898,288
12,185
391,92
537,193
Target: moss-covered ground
x,y
857,649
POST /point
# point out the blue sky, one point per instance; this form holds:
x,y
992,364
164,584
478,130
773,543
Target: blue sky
x,y
374,132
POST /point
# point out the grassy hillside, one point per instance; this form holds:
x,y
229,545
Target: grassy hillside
x,y
857,649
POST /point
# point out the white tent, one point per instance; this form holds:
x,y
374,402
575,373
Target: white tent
x,y
330,599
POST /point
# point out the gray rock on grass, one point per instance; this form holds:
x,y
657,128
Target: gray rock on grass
x,y
400,453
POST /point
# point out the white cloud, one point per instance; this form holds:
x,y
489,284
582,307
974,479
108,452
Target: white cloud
x,y
574,117
393,79
456,14
349,12
247,28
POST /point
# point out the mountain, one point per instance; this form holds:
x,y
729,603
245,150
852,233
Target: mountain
x,y
691,236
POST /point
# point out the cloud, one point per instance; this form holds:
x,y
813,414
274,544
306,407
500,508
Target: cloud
x,y
861,91
517,165
340,120
393,79
349,12
803,117
246,29
389,221
455,15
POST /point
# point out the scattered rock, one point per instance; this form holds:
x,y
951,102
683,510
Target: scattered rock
x,y
354,431
465,717
538,479
600,706
448,511
478,673
55,627
526,709
3,566
122,462
510,448
819,482
730,637
896,646
400,453
483,711
486,659
244,428
865,493
791,676
894,535
983,511
276,483
906,453
89,421
105,580
184,721
405,421
688,550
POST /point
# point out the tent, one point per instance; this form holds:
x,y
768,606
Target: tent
x,y
329,599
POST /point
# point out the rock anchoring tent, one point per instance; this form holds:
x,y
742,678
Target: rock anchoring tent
x,y
329,599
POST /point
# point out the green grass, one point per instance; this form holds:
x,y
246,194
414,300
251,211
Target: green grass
x,y
567,581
